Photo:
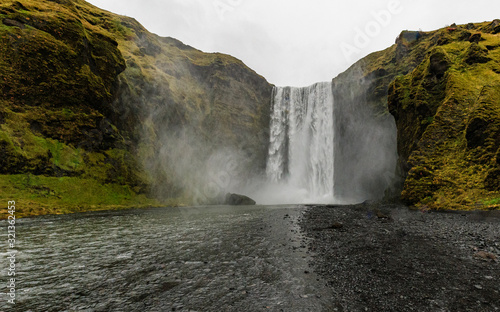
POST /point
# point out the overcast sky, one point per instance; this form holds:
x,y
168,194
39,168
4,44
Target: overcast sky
x,y
293,42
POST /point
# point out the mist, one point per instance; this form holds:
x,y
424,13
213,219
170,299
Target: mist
x,y
366,158
207,126
330,144
333,146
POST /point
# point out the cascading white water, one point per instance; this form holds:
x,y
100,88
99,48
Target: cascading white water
x,y
301,149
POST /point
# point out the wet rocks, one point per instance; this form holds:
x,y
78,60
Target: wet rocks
x,y
416,261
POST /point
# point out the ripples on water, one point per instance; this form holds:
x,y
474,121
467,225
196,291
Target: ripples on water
x,y
170,259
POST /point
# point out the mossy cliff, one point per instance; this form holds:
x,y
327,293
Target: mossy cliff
x,y
96,112
82,87
442,87
447,112
365,134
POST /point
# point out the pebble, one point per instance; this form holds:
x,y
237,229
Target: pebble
x,y
432,255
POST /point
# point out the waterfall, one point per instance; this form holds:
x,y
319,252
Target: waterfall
x,y
301,149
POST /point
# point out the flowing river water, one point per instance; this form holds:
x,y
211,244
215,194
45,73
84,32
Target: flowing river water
x,y
216,258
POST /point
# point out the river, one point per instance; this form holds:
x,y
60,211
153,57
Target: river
x,y
215,258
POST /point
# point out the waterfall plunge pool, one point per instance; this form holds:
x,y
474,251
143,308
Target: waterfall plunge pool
x,y
215,258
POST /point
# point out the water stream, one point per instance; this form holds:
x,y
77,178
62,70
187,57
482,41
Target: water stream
x,y
172,259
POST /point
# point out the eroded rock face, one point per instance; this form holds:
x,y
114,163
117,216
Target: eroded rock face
x,y
93,94
447,112
477,54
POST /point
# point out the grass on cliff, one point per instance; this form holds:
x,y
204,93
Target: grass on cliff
x,y
450,159
58,60
58,63
39,195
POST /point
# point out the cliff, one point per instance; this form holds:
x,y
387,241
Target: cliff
x,y
442,87
96,112
366,157
447,112
87,95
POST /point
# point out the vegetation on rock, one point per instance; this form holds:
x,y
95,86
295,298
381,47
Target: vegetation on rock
x,y
96,113
447,111
81,88
442,87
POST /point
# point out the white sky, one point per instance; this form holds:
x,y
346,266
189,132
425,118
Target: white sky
x,y
294,42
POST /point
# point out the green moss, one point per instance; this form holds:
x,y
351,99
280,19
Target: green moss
x,y
74,110
448,116
37,195
492,202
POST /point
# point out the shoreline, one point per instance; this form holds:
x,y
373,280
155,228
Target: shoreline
x,y
34,208
386,257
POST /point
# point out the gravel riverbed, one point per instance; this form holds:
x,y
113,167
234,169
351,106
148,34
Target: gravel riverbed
x,y
388,258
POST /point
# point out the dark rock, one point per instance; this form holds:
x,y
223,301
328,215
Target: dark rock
x,y
18,5
337,226
464,35
439,64
492,181
470,26
490,47
10,22
238,200
381,215
477,54
408,37
475,38
495,26
476,133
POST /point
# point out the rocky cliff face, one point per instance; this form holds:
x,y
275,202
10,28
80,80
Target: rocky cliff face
x,y
365,135
447,115
442,88
89,96
200,120
98,112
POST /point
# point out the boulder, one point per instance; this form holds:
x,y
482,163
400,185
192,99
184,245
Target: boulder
x,y
238,200
477,54
475,38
